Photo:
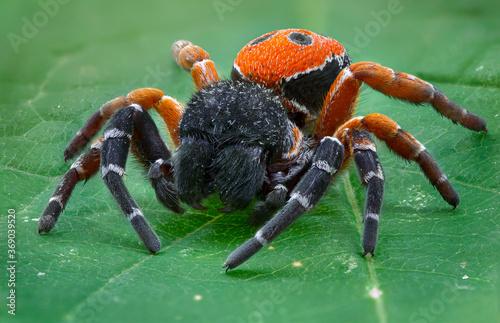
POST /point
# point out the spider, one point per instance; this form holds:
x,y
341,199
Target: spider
x,y
281,129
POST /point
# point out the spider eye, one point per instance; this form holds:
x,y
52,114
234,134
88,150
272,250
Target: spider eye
x,y
300,38
261,39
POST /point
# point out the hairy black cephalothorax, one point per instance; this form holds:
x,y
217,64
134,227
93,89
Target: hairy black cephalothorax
x,y
229,132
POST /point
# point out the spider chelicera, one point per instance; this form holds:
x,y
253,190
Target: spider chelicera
x,y
281,128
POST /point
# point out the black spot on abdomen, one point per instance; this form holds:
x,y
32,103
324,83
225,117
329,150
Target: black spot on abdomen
x,y
300,38
261,39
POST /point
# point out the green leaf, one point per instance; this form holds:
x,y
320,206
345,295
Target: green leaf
x,y
62,60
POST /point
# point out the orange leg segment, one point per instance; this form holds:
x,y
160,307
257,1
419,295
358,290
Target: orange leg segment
x,y
167,107
339,104
342,97
196,60
406,146
410,88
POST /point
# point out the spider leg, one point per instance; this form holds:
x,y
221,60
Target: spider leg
x,y
83,168
263,210
342,96
150,149
406,146
169,109
281,178
196,60
362,148
133,124
326,162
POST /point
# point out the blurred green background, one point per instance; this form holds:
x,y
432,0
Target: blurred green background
x,y
61,59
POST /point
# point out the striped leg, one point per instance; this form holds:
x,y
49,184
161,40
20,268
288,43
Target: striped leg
x,y
194,59
169,109
279,184
406,146
127,124
149,148
306,194
82,169
363,149
342,97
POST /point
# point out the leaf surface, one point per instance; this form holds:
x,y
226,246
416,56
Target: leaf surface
x,y
432,263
